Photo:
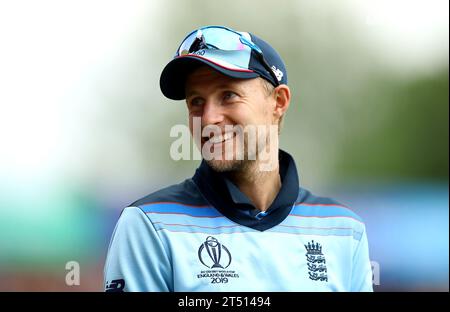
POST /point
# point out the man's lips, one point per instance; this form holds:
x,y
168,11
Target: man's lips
x,y
217,139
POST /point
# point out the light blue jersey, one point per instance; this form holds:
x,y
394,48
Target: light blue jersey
x,y
178,240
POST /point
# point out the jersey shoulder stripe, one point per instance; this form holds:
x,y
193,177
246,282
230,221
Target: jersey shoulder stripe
x,y
309,205
315,211
184,194
181,203
172,208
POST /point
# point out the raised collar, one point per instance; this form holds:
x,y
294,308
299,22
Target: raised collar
x,y
226,197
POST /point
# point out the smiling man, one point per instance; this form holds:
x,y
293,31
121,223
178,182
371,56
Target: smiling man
x,y
241,223
221,101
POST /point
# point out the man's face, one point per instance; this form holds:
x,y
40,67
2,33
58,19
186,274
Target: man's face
x,y
219,100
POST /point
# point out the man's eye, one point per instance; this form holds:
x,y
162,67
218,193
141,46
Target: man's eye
x,y
229,95
195,102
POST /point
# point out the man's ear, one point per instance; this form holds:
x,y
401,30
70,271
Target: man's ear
x,y
282,95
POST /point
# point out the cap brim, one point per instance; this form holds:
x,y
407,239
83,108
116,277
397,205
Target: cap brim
x,y
173,76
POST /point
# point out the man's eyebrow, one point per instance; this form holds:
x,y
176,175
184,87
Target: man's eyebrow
x,y
229,85
191,93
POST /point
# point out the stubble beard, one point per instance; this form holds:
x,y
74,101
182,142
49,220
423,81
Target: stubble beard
x,y
235,165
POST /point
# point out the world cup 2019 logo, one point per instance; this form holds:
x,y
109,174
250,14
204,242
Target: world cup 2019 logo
x,y
213,254
217,258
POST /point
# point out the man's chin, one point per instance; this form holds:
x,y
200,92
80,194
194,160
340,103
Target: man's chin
x,y
226,165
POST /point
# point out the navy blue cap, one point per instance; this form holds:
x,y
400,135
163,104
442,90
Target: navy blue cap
x,y
242,63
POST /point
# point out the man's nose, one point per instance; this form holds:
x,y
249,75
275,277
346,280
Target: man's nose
x,y
212,113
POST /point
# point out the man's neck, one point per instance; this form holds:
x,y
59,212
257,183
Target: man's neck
x,y
260,186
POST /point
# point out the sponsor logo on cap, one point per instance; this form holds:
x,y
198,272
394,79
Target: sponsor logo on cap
x,y
278,73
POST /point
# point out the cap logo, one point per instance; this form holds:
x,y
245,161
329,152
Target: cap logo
x,y
200,52
278,73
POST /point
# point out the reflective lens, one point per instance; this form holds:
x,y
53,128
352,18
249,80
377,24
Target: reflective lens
x,y
216,37
222,38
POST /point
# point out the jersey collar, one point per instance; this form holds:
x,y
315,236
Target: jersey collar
x,y
226,197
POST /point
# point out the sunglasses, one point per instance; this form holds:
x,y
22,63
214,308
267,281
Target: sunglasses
x,y
222,38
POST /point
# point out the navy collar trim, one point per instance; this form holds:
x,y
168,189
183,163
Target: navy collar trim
x,y
226,197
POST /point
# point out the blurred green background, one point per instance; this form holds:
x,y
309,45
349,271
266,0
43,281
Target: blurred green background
x,y
85,128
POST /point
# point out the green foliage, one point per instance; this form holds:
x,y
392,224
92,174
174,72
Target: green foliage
x,y
400,131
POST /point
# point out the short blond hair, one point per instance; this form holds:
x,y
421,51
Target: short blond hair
x,y
269,87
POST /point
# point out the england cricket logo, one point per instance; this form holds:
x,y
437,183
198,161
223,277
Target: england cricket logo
x,y
317,268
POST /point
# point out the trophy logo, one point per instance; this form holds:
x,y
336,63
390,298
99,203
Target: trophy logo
x,y
213,254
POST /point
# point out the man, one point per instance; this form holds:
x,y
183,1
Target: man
x,y
241,223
